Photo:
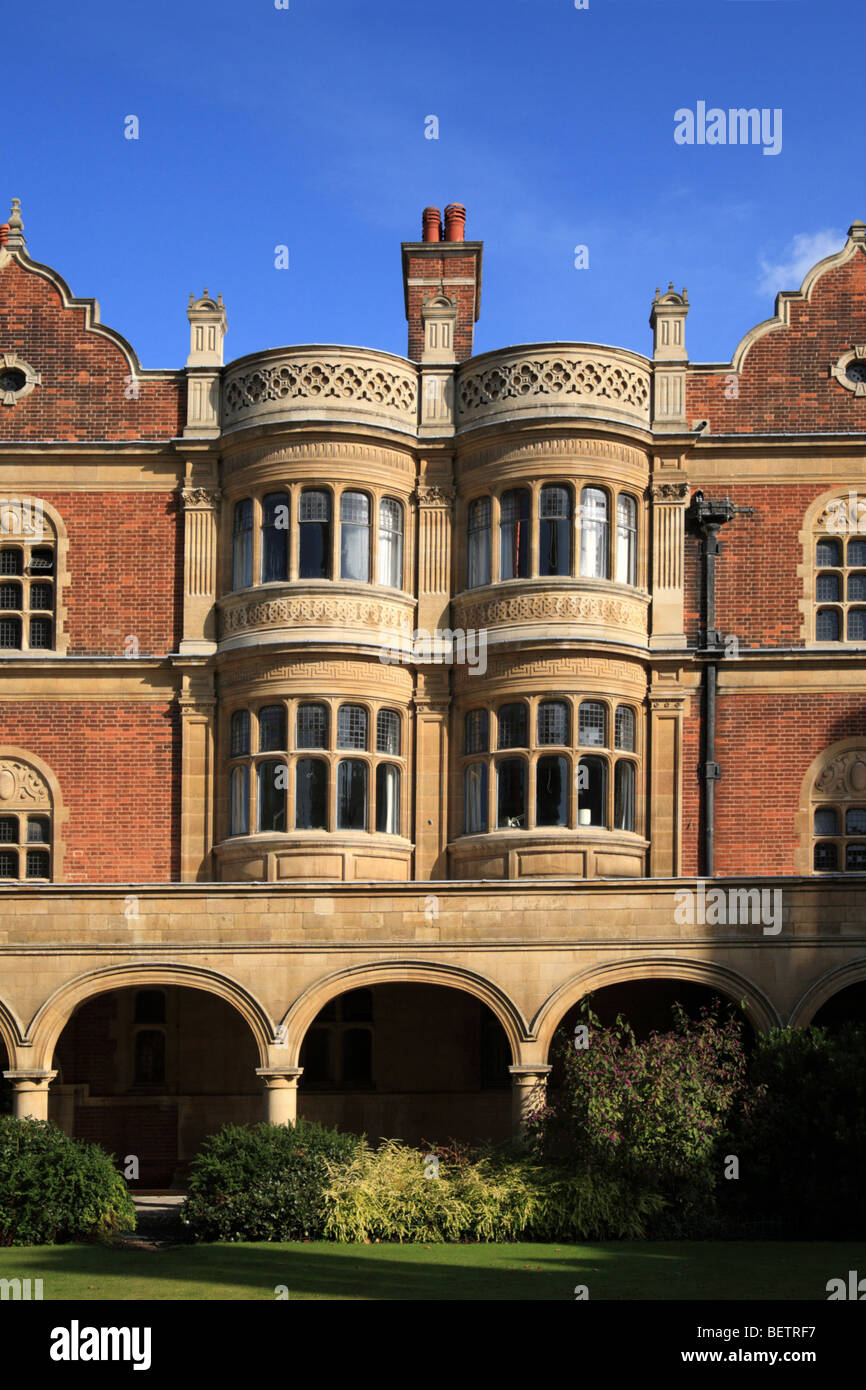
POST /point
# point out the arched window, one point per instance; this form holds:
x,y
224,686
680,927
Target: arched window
x,y
511,793
623,795
555,527
28,578
514,534
512,726
552,722
626,539
478,544
551,791
272,728
838,813
275,537
387,799
272,776
391,543
314,530
352,727
351,794
388,731
240,734
477,731
311,726
594,530
624,729
242,545
840,574
592,791
475,798
239,816
311,794
26,823
149,1057
591,724
355,536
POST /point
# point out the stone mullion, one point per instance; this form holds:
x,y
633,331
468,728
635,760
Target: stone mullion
x,y
665,783
669,500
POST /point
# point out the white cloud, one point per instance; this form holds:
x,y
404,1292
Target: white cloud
x,y
800,255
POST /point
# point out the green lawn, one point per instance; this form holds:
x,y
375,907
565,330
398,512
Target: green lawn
x,y
320,1270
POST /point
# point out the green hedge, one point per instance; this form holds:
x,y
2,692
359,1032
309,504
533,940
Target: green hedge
x,y
263,1182
55,1189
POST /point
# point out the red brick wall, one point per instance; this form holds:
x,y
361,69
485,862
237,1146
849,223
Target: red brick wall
x,y
784,386
84,375
125,562
444,269
118,765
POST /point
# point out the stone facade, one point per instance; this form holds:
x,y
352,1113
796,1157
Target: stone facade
x,y
361,714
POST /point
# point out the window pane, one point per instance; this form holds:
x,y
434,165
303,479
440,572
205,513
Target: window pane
x,y
826,821
390,543
552,723
38,829
355,536
41,596
626,540
551,791
623,796
388,732
593,533
477,736
827,588
150,1057
8,830
475,798
352,727
240,801
511,793
10,632
8,863
592,791
514,534
41,562
512,726
37,863
825,857
275,537
272,728
10,595
242,569
855,858
857,624
11,560
855,822
554,541
240,733
40,633
590,724
311,726
273,780
856,553
856,587
624,729
311,794
827,625
828,552
314,557
352,794
388,799
478,567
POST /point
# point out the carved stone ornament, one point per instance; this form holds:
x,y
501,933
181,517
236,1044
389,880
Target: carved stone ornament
x,y
434,495
559,377
844,775
326,612
345,382
199,497
550,606
850,370
21,785
17,378
671,491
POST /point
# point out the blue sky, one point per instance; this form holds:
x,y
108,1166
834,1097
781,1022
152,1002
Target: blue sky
x,y
305,127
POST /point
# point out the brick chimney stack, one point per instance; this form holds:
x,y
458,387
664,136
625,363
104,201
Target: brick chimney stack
x,y
438,273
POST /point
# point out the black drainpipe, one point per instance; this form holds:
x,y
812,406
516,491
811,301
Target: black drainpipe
x,y
709,517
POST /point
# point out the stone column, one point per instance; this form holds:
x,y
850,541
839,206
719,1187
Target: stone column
x,y
281,1092
199,567
665,781
528,1093
30,1088
197,708
432,681
669,498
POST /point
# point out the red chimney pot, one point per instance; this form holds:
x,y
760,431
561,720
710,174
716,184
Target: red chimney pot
x,y
4,233
431,224
455,222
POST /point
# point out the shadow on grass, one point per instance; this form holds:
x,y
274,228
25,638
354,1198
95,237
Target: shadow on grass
x,y
318,1270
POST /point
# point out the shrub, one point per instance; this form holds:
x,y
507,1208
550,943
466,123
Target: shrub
x,y
55,1189
649,1114
263,1181
391,1194
800,1136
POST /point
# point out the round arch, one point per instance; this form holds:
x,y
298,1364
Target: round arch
x,y
842,754
10,1033
759,1010
52,1017
824,989
298,1018
12,753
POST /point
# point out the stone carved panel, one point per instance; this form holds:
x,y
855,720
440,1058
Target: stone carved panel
x,y
575,450
327,673
327,612
551,606
581,670
199,497
314,452
844,775
597,379
338,381
671,492
22,785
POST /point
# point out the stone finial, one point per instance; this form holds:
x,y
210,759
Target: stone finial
x,y
207,324
668,322
857,232
15,235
